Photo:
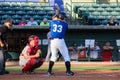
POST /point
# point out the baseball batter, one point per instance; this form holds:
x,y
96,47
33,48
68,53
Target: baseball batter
x,y
58,29
30,56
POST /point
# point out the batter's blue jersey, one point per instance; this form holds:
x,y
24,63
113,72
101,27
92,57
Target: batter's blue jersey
x,y
58,28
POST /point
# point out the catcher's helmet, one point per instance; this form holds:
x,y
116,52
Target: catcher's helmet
x,y
33,37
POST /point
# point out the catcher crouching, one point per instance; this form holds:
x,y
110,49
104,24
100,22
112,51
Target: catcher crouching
x,y
30,57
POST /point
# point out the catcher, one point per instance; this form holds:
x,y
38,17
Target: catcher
x,y
30,56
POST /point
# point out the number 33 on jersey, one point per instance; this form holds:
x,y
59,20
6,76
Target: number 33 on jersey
x,y
58,28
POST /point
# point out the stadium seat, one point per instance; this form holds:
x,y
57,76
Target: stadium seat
x,y
114,13
2,13
31,12
16,17
6,4
117,17
104,5
10,12
36,17
117,9
38,9
17,9
95,13
41,13
27,9
27,17
46,16
48,8
50,13
101,17
24,4
90,9
15,4
45,4
105,13
6,16
36,5
16,21
95,5
20,12
109,9
7,8
100,9
113,5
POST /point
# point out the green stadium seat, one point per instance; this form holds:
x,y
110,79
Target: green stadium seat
x,y
16,17
95,13
7,8
17,9
15,4
36,5
117,17
101,17
10,12
6,16
16,21
45,4
114,13
117,9
2,13
96,5
48,8
31,12
105,13
90,9
41,13
100,9
20,12
6,4
24,4
26,17
104,5
113,5
50,13
36,17
109,9
27,9
38,9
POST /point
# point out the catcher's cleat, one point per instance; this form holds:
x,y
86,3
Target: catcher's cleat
x,y
69,73
31,72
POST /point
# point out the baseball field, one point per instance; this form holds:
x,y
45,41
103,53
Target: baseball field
x,y
83,71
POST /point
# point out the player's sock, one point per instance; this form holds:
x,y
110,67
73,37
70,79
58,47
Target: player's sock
x,y
68,69
50,66
68,66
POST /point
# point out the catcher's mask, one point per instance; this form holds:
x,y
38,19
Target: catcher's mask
x,y
34,37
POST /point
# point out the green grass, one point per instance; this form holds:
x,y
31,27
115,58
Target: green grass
x,y
73,68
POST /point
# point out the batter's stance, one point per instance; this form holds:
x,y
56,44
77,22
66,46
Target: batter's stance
x,y
58,29
30,56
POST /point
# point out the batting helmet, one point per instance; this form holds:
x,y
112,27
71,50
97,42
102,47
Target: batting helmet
x,y
62,15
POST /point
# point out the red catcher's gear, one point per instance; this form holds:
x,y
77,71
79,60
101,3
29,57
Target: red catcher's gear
x,y
34,37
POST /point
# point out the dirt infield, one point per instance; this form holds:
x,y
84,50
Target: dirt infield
x,y
60,74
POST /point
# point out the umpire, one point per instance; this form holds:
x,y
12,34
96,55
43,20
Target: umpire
x,y
3,30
